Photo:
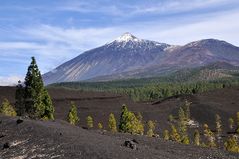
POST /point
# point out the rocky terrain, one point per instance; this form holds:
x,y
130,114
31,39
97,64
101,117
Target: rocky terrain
x,y
58,139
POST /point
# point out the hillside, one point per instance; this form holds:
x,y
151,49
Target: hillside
x,y
100,105
210,72
39,139
58,139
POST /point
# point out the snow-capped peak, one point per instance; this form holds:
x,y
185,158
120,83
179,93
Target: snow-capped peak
x,y
127,37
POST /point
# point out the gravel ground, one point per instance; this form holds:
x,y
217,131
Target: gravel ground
x,y
58,139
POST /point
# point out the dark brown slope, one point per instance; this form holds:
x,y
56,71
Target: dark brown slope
x,y
100,105
41,139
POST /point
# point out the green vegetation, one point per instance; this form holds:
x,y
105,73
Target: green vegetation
x,y
33,99
231,123
165,135
231,144
140,125
209,136
151,127
72,115
112,123
197,138
7,109
90,122
182,125
174,136
149,89
100,126
129,122
218,125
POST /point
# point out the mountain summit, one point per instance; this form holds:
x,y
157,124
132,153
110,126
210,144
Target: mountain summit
x,y
126,37
129,56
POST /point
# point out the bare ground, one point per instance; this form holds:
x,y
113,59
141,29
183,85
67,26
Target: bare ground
x,y
60,140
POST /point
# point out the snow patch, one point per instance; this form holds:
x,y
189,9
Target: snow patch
x,y
127,37
171,48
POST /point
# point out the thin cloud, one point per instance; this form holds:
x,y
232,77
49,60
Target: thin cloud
x,y
10,80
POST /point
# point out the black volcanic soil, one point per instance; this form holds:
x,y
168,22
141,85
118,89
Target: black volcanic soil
x,y
99,105
58,139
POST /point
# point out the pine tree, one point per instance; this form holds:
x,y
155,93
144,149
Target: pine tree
x,y
112,123
72,115
174,136
209,135
218,125
19,97
123,119
197,138
185,140
129,122
7,109
140,125
132,123
37,102
100,126
231,144
182,125
165,135
151,127
231,123
90,122
49,109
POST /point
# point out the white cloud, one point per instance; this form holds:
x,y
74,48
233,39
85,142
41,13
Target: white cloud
x,y
54,45
126,10
222,26
10,80
175,6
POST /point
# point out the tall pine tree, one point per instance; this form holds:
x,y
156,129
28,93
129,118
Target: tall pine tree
x,y
38,103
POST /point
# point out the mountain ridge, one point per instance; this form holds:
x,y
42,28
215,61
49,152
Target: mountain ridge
x,y
128,53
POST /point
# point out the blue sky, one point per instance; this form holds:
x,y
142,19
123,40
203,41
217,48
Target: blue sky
x,y
55,31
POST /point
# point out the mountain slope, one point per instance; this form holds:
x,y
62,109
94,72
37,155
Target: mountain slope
x,y
212,71
131,57
125,53
203,52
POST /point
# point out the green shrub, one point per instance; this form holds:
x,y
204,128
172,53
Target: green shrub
x,y
72,115
174,136
151,127
7,109
129,123
231,144
100,126
197,138
112,123
166,135
210,137
90,122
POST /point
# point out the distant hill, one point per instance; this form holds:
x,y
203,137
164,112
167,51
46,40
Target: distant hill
x,y
131,57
